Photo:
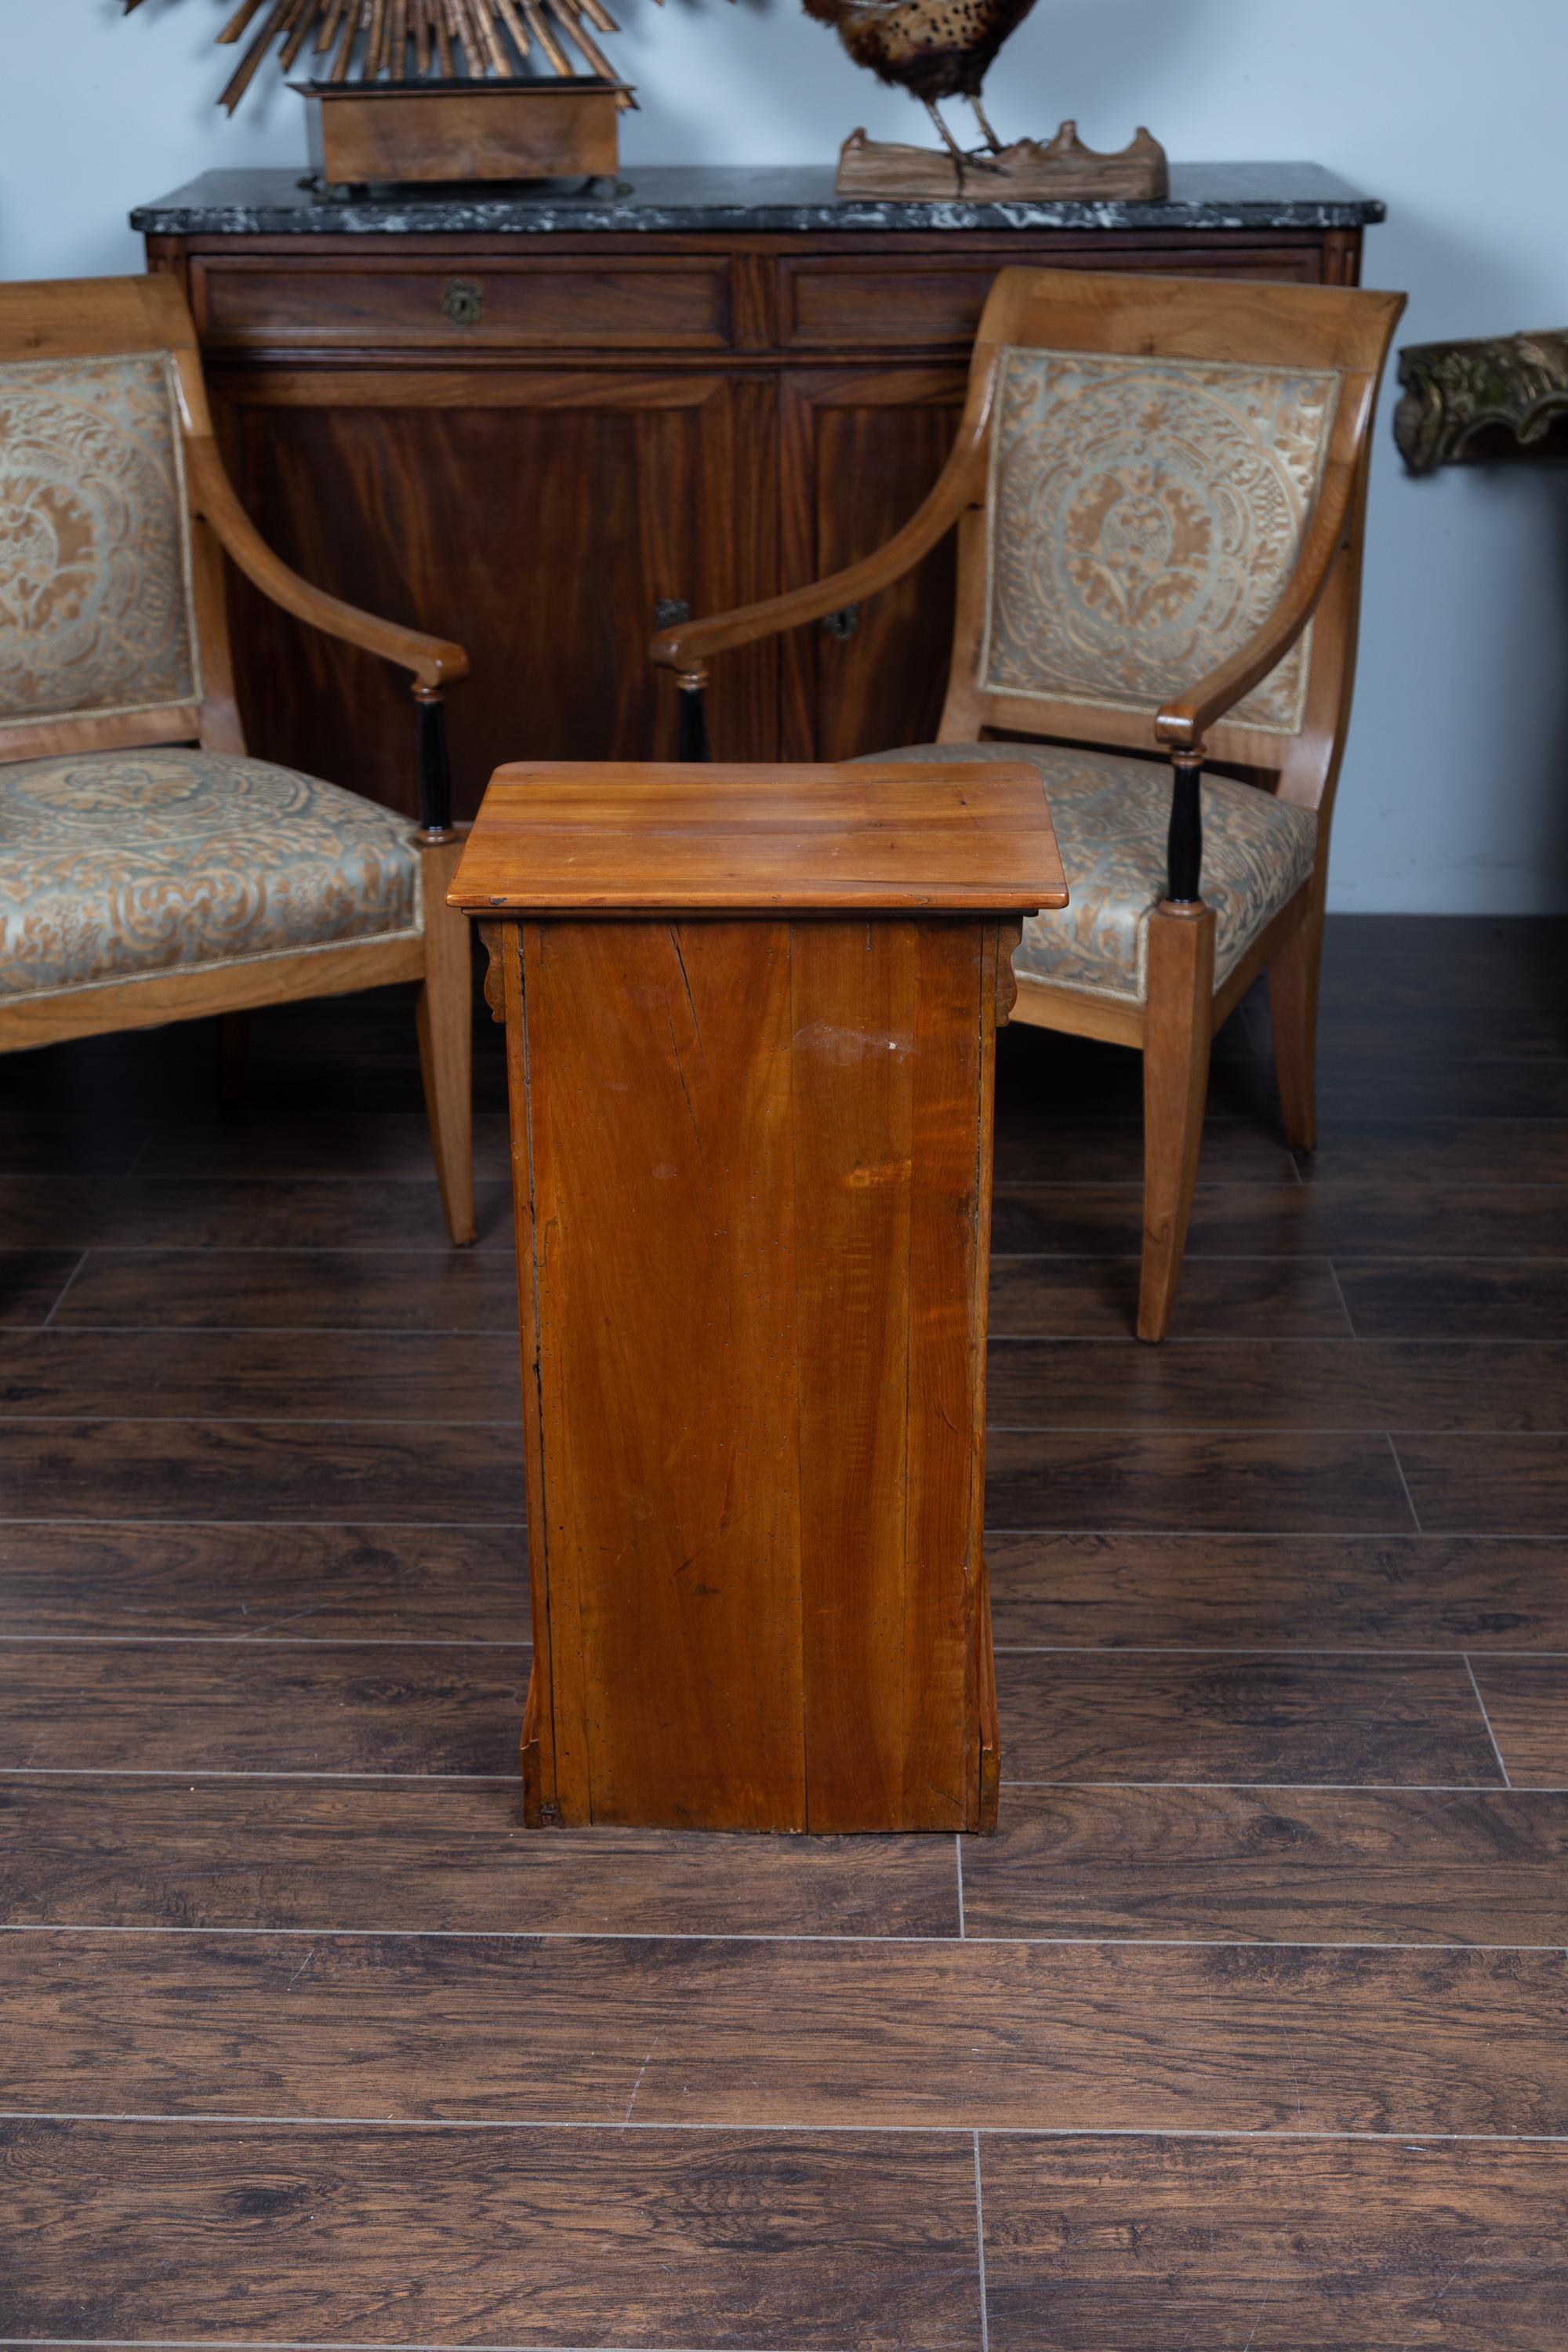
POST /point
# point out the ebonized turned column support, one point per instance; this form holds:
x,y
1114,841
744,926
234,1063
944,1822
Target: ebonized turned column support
x,y
435,768
692,738
1185,844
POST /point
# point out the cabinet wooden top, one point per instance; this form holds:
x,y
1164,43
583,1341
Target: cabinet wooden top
x,y
572,836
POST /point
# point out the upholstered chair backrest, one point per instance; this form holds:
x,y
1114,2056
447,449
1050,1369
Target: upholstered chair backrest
x,y
97,612
1145,461
1143,516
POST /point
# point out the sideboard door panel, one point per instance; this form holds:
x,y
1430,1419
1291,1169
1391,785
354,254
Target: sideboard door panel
x,y
859,449
539,518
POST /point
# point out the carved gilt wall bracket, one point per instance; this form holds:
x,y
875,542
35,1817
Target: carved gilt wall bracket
x,y
1453,392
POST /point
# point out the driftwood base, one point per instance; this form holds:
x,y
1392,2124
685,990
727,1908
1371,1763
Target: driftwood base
x,y
1062,168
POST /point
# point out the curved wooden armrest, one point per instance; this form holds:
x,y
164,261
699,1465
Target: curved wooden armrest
x,y
1183,724
435,661
686,647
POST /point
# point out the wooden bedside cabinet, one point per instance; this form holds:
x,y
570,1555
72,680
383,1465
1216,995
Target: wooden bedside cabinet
x,y
751,1017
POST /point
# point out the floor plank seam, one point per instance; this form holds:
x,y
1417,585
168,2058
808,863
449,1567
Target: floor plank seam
x,y
871,1942
1486,1719
1147,1649
332,1642
321,1645
323,2343
484,1247
1130,1258
231,1772
1123,1342
1409,1498
1140,1530
266,1526
64,1290
263,1421
193,1773
1427,1538
1148,1428
1300,1787
1265,2136
413,1333
980,2251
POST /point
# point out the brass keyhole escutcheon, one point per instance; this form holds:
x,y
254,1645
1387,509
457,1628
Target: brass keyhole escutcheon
x,y
464,302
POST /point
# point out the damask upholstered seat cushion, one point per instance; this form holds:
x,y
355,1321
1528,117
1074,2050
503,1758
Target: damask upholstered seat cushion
x,y
1112,814
115,865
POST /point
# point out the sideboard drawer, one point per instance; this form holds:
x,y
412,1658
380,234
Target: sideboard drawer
x,y
904,303
872,304
456,306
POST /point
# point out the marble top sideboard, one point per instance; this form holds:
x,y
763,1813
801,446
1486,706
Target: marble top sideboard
x,y
673,199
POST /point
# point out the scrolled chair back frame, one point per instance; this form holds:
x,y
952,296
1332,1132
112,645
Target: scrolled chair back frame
x,y
145,657
1280,380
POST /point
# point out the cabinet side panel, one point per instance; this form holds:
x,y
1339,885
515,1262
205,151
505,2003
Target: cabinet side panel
x,y
854,1032
659,1079
954,1054
547,1762
893,1022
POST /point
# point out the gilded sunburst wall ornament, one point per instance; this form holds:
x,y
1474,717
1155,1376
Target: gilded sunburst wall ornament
x,y
417,40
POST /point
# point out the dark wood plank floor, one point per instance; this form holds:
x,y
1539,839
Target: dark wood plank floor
x,y
1244,2034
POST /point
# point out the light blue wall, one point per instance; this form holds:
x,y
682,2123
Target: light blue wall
x,y
1456,791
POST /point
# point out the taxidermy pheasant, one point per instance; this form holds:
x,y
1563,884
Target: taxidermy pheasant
x,y
933,48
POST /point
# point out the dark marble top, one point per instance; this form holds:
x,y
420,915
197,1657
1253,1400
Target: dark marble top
x,y
682,197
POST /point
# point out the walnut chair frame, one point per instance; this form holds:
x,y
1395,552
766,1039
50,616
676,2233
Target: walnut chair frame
x,y
87,318
1321,328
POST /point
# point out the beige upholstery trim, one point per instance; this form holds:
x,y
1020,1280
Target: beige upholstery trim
x,y
168,971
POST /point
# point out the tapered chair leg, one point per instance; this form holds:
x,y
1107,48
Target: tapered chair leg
x,y
1293,1017
446,1016
1178,1033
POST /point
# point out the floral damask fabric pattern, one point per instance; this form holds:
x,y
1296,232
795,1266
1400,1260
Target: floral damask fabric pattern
x,y
96,614
118,865
1143,517
1112,814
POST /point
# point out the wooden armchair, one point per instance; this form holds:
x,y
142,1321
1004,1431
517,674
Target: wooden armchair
x,y
149,870
1159,486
